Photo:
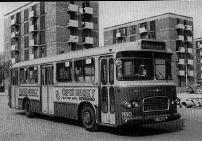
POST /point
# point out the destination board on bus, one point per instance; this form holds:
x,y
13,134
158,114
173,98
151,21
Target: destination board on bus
x,y
153,45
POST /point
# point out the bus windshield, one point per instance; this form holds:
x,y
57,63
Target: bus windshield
x,y
143,66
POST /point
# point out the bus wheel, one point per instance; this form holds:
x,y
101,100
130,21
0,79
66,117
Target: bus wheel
x,y
28,112
88,118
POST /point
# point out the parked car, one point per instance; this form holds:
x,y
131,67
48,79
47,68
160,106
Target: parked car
x,y
192,97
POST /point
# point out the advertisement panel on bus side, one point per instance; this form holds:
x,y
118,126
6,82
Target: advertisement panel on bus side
x,y
30,92
76,95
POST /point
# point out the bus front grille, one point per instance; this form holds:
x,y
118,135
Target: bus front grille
x,y
155,104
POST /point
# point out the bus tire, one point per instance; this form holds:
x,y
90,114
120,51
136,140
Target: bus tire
x,y
88,118
28,111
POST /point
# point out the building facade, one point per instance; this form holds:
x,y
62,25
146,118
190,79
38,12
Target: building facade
x,y
40,29
175,30
198,59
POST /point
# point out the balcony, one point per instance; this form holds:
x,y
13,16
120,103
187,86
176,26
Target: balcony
x,y
72,23
33,43
200,53
181,61
200,45
188,27
88,40
201,61
190,73
13,61
180,37
142,30
88,10
72,8
32,15
31,56
190,50
181,73
14,22
181,50
32,28
73,39
14,47
190,61
15,35
88,25
180,26
189,38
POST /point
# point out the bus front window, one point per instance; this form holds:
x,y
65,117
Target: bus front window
x,y
135,69
134,66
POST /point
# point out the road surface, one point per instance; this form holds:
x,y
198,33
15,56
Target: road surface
x,y
15,126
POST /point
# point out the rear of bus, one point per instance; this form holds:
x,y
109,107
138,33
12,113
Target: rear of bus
x,y
143,90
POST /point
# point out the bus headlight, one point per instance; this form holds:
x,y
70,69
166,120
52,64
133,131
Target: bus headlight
x,y
128,105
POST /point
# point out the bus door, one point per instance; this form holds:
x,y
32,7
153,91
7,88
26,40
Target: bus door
x,y
47,89
107,90
14,86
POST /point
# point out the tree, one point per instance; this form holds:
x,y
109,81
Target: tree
x,y
4,70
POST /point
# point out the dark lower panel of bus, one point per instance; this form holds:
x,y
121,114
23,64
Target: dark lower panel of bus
x,y
150,111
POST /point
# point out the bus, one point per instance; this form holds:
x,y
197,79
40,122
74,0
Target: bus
x,y
122,84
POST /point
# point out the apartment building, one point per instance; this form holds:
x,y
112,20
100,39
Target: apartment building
x,y
40,29
175,30
198,59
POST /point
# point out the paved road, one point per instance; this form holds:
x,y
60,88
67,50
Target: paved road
x,y
15,126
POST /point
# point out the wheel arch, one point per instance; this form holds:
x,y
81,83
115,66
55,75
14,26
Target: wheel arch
x,y
23,102
81,105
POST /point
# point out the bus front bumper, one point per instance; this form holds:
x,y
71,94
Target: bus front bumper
x,y
151,119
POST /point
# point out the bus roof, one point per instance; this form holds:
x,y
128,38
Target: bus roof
x,y
104,50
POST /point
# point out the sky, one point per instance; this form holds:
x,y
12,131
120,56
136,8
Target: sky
x,y
118,12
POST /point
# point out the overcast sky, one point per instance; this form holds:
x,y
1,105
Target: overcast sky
x,y
117,12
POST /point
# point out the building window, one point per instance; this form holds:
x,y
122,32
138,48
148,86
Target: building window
x,y
26,55
152,26
64,71
180,21
26,28
43,51
26,41
152,35
84,70
26,15
123,31
132,29
132,38
143,25
42,37
42,22
42,8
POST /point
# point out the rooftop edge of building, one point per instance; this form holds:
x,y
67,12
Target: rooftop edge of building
x,y
147,18
18,8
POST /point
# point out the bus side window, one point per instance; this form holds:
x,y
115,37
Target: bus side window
x,y
84,70
79,71
64,72
33,75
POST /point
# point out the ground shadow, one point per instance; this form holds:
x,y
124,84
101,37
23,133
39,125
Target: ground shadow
x,y
132,130
147,129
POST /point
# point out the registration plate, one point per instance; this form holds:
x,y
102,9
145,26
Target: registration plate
x,y
158,119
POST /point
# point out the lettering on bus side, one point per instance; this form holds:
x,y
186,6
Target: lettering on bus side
x,y
32,93
76,95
